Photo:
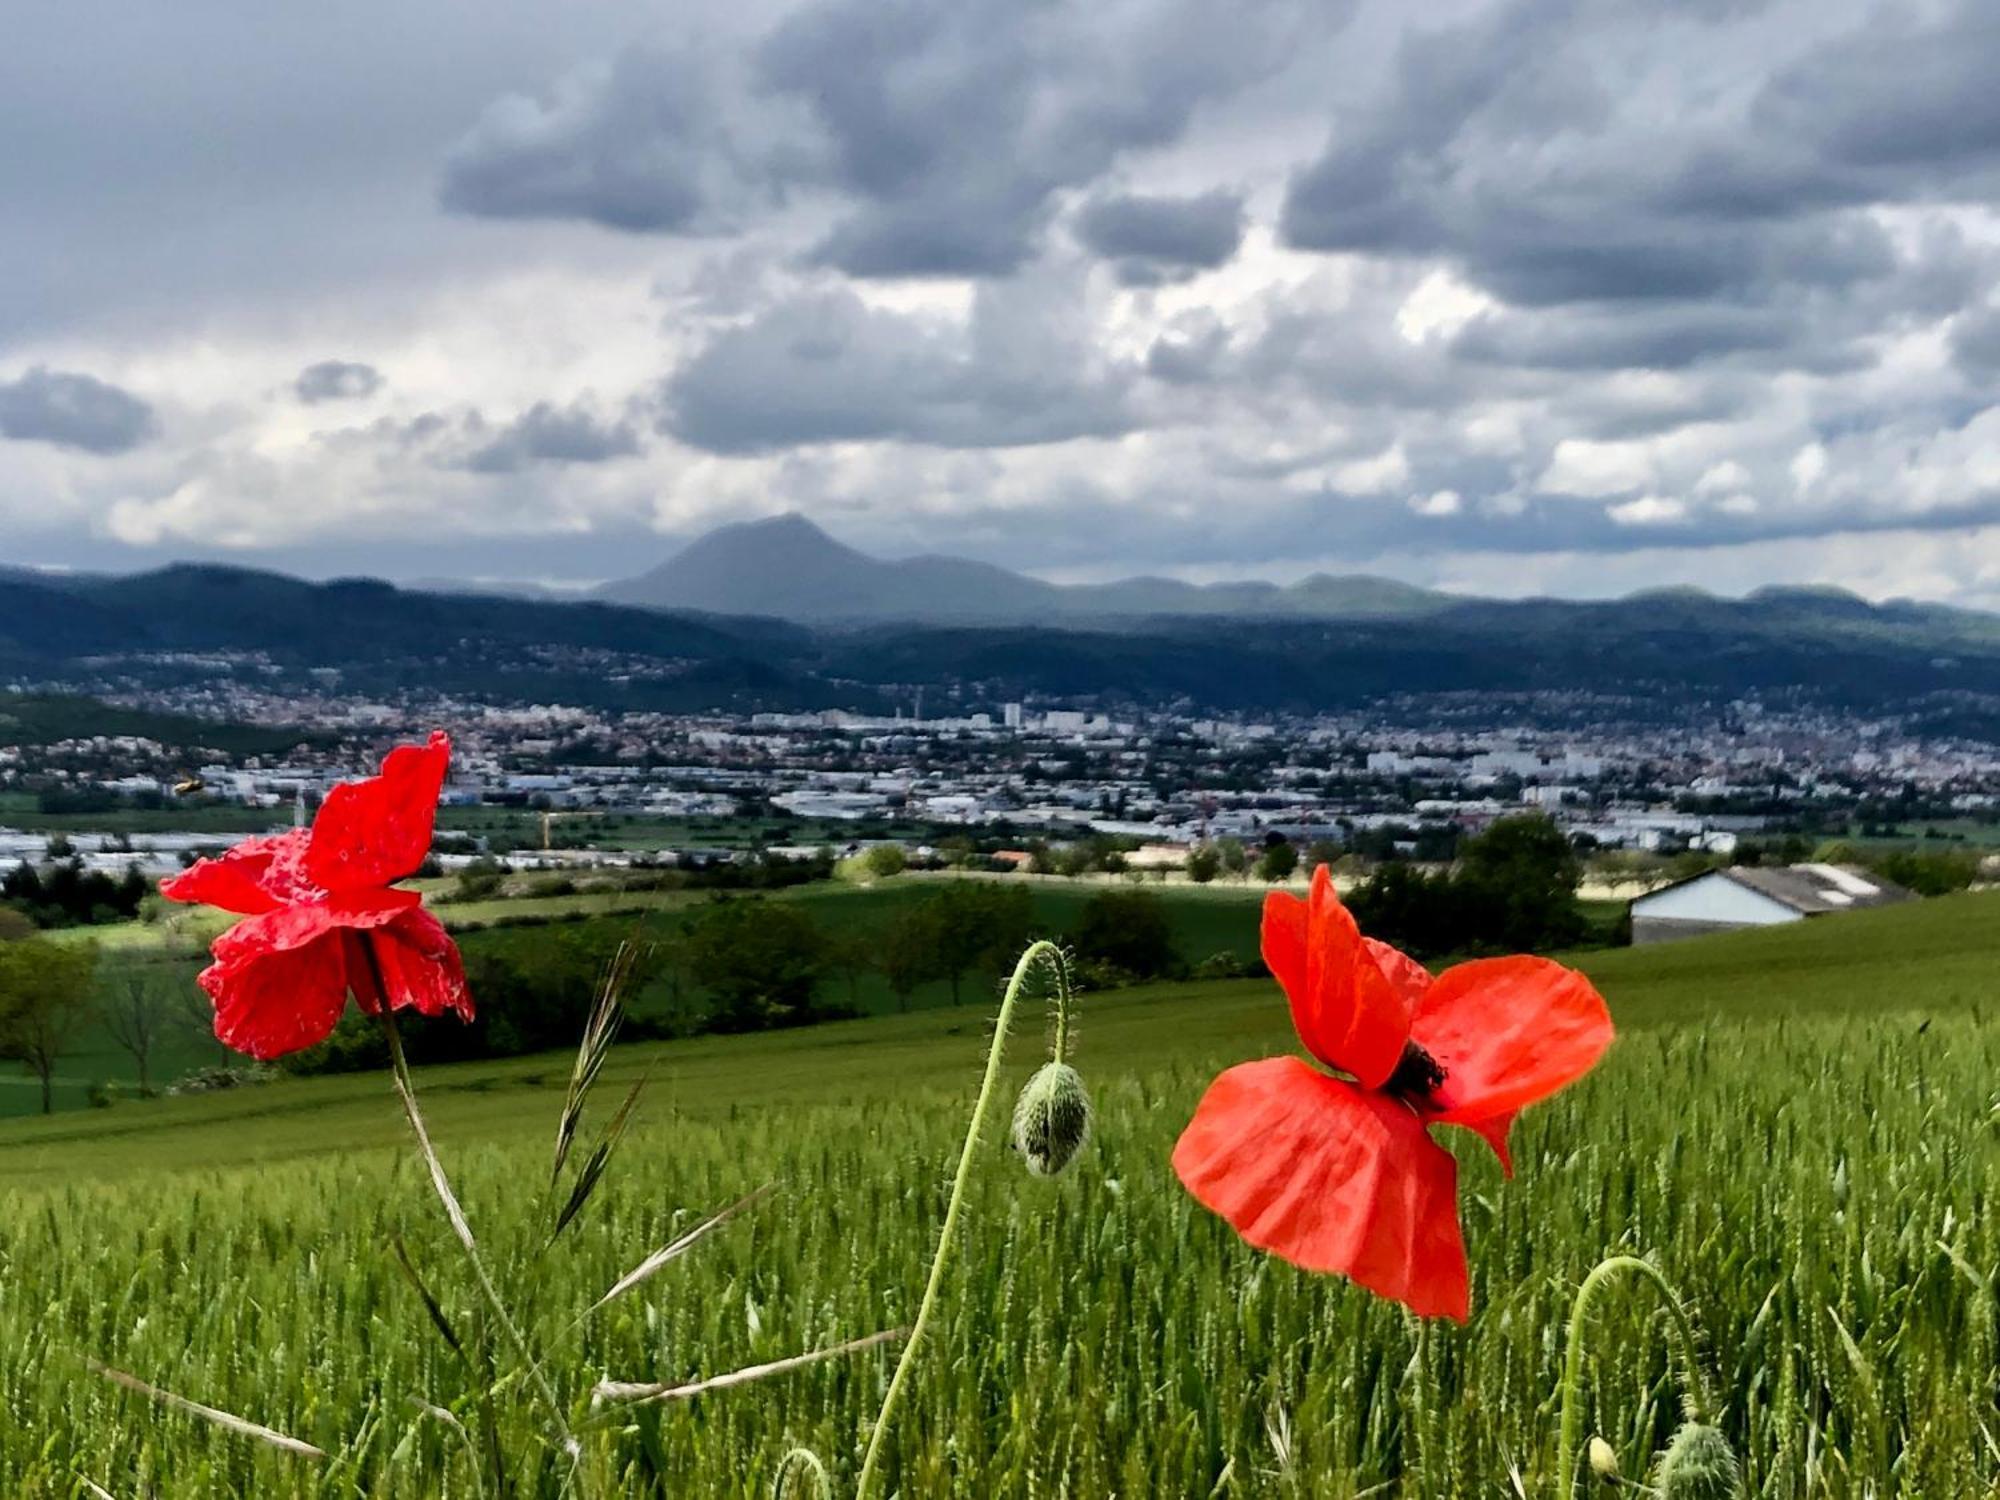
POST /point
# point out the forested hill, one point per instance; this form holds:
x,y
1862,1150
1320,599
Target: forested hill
x,y
1663,647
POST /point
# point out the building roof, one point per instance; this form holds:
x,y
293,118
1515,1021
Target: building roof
x,y
1812,889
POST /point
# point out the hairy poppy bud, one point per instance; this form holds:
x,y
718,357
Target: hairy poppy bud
x,y
1699,1465
1052,1119
1603,1459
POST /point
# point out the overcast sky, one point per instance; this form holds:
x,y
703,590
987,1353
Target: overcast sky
x,y
1570,296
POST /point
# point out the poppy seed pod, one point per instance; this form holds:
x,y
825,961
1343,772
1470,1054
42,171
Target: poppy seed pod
x,y
1603,1460
1699,1465
1052,1119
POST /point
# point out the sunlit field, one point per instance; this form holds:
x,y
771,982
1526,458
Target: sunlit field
x,y
1796,1125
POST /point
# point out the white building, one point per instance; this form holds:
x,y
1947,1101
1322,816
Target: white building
x,y
1743,896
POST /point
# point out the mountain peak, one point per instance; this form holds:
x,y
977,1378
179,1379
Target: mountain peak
x,y
787,565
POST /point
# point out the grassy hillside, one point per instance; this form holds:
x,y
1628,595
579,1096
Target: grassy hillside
x,y
1794,1123
1928,959
1857,962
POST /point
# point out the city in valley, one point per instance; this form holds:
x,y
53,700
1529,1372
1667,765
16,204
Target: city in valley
x,y
1069,788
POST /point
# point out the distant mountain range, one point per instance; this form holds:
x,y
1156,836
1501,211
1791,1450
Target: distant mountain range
x,y
1661,655
790,568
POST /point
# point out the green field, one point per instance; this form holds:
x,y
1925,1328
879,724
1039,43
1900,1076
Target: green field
x,y
1798,1124
1206,921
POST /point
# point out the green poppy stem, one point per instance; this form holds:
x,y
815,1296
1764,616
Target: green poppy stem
x,y
1038,953
1572,1412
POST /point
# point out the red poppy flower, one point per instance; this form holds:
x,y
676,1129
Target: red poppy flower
x,y
322,916
1341,1174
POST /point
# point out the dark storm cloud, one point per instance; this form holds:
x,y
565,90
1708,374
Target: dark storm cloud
x,y
1506,145
628,146
1110,528
1668,336
1155,239
952,128
1899,92
546,433
943,133
336,380
828,368
73,411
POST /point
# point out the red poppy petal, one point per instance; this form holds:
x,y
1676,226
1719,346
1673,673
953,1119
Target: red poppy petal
x,y
1349,1012
1331,1178
1411,979
256,876
1495,1132
295,926
270,1001
419,964
372,832
1509,1031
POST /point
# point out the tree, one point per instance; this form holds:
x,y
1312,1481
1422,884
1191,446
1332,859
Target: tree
x,y
884,860
481,880
760,961
1278,862
1127,931
45,992
1520,876
852,953
977,925
908,952
1235,858
1202,863
1514,891
136,1009
1321,852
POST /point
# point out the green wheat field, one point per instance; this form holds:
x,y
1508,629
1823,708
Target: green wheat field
x,y
1797,1126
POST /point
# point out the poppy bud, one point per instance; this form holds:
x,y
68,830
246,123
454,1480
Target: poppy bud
x,y
1699,1465
1052,1119
1603,1460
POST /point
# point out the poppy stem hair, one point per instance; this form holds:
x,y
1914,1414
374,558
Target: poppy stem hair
x,y
1698,1406
1039,954
399,1066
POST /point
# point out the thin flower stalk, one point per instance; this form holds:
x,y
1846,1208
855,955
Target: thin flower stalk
x,y
1043,953
1698,1403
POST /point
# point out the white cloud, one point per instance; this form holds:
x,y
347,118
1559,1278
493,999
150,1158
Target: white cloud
x,y
1649,510
1588,469
1808,465
1439,306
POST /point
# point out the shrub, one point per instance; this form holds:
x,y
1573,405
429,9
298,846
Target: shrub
x,y
1127,931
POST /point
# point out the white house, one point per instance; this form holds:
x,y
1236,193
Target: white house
x,y
1747,896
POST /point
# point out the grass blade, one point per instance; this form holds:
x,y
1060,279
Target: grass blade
x,y
229,1422
625,1390
431,1303
600,1030
593,1167
664,1256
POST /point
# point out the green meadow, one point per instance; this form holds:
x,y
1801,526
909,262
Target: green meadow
x,y
1797,1125
1206,921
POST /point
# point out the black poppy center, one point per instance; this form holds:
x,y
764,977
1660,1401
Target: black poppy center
x,y
1418,1075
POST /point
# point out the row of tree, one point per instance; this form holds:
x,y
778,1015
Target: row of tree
x,y
1513,890
749,963
66,894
